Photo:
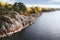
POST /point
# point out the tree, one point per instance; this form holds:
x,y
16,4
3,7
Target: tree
x,y
0,9
15,6
6,9
19,6
32,10
22,7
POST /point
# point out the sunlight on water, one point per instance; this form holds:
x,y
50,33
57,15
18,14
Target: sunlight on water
x,y
51,21
47,25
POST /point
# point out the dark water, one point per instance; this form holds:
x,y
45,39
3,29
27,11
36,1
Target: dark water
x,y
47,27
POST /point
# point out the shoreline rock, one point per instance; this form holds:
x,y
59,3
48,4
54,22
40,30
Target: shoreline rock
x,y
14,22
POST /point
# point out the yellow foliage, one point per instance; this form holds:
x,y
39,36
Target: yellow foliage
x,y
47,8
39,8
3,3
28,9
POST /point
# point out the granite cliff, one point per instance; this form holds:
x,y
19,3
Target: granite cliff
x,y
14,22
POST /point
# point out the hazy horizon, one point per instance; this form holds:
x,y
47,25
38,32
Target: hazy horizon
x,y
49,6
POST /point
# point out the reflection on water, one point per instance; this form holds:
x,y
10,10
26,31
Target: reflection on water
x,y
47,27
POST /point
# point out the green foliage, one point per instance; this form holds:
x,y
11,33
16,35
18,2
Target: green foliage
x,y
22,6
19,7
15,7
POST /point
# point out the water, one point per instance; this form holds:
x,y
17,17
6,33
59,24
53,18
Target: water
x,y
47,27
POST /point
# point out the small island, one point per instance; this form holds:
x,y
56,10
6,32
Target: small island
x,y
14,18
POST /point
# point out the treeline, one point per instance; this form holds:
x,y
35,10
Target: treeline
x,y
5,8
18,7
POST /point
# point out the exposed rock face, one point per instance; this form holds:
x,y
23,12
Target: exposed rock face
x,y
14,22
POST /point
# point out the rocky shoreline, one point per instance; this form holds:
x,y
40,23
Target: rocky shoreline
x,y
14,22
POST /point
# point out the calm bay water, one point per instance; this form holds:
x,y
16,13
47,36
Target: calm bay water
x,y
47,27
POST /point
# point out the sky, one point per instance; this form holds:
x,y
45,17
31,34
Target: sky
x,y
40,1
35,2
27,2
